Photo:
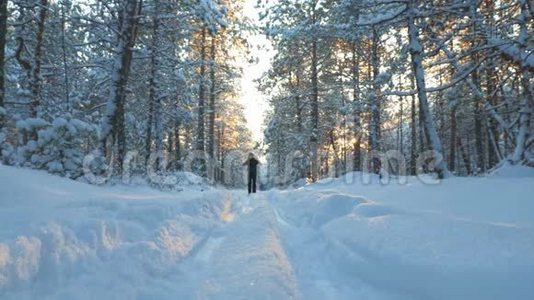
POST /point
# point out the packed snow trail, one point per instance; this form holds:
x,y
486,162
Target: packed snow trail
x,y
248,260
467,238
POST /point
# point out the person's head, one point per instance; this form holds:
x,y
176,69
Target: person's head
x,y
251,155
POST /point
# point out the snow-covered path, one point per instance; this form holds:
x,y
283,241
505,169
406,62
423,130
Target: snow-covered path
x,y
463,239
246,258
59,237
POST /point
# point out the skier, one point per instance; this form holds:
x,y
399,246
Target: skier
x,y
252,163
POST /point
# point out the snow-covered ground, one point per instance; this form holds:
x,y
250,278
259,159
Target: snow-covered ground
x,y
465,238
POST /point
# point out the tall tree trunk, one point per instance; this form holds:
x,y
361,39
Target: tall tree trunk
x,y
177,145
374,135
315,113
188,138
201,92
343,150
401,124
64,54
298,105
525,113
36,72
506,134
21,47
493,134
479,143
149,125
413,127
113,121
357,162
213,94
3,34
400,129
491,92
453,124
222,150
120,136
170,144
465,156
416,52
155,80
423,136
335,151
314,140
494,146
452,144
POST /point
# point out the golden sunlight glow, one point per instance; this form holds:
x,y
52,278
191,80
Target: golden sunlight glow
x,y
254,102
227,215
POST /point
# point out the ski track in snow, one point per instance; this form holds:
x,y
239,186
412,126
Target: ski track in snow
x,y
66,240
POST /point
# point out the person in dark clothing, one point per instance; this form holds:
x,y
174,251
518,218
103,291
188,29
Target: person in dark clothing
x,y
252,163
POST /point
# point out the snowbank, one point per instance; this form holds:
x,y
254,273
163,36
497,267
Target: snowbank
x,y
61,239
466,238
510,171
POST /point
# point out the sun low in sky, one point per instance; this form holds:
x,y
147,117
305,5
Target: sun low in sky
x,y
254,102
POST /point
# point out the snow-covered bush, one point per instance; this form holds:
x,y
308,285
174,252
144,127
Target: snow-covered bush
x,y
7,151
27,132
60,146
167,181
